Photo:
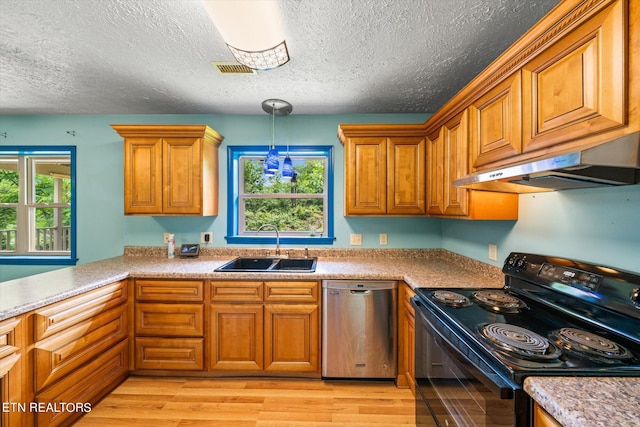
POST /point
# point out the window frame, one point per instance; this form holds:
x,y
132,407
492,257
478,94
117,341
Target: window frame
x,y
234,153
30,258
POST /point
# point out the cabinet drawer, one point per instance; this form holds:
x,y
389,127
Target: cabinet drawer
x,y
237,291
291,292
8,337
184,354
61,315
63,352
85,385
170,290
185,320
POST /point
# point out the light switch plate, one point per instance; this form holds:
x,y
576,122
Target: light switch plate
x,y
383,238
355,240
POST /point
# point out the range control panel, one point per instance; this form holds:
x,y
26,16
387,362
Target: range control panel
x,y
571,276
530,267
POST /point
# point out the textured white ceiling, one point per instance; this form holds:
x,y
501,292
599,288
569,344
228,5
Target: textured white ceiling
x,y
154,56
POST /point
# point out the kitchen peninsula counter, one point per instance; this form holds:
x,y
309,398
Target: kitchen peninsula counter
x,y
417,267
588,401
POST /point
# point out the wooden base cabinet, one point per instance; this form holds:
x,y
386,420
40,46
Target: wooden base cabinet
x,y
265,328
542,418
80,353
169,325
406,342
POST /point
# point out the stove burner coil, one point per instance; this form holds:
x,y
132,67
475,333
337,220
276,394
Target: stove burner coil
x,y
452,299
499,301
514,340
592,346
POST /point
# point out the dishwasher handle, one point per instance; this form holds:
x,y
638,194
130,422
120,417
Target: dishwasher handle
x,y
360,291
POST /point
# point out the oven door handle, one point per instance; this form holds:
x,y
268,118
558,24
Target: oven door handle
x,y
496,383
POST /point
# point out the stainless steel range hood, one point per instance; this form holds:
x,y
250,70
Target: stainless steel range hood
x,y
609,164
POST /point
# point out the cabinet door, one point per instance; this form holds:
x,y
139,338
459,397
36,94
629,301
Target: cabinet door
x,y
292,338
182,176
366,176
495,123
577,87
143,176
435,174
456,165
236,337
406,175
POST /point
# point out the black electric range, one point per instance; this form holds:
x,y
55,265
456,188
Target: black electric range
x,y
555,316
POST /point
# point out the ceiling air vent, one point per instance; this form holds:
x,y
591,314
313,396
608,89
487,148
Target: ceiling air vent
x,y
233,68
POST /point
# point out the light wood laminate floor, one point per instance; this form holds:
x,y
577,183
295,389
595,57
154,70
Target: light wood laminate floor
x,y
180,402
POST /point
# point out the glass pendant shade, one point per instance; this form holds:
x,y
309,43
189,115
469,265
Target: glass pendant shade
x,y
266,170
287,168
272,162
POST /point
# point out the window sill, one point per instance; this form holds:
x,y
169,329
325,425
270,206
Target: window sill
x,y
36,260
251,240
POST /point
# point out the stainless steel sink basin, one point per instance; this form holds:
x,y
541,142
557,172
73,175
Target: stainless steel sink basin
x,y
269,265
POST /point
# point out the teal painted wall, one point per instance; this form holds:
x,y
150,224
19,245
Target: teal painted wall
x,y
599,225
103,230
593,225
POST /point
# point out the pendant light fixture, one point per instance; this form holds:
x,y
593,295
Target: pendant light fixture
x,y
275,107
287,165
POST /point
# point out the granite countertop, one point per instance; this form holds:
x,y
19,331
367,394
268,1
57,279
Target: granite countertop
x,y
419,268
588,402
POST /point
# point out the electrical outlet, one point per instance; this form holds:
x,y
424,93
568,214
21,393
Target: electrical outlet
x,y
166,238
206,237
493,252
383,238
355,240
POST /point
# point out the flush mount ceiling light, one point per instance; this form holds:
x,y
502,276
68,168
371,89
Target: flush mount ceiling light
x,y
252,30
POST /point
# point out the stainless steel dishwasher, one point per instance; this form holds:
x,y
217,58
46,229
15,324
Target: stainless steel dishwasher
x,y
359,329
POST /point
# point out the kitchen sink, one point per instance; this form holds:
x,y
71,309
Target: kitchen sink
x,y
269,265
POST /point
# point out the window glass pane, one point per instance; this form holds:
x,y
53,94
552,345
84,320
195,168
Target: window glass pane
x,y
9,180
53,183
8,217
289,215
52,229
309,177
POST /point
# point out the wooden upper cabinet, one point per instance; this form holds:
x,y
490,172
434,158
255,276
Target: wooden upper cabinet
x,y
576,87
385,169
170,169
495,123
448,161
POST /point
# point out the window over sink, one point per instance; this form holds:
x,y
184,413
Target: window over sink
x,y
37,205
301,207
